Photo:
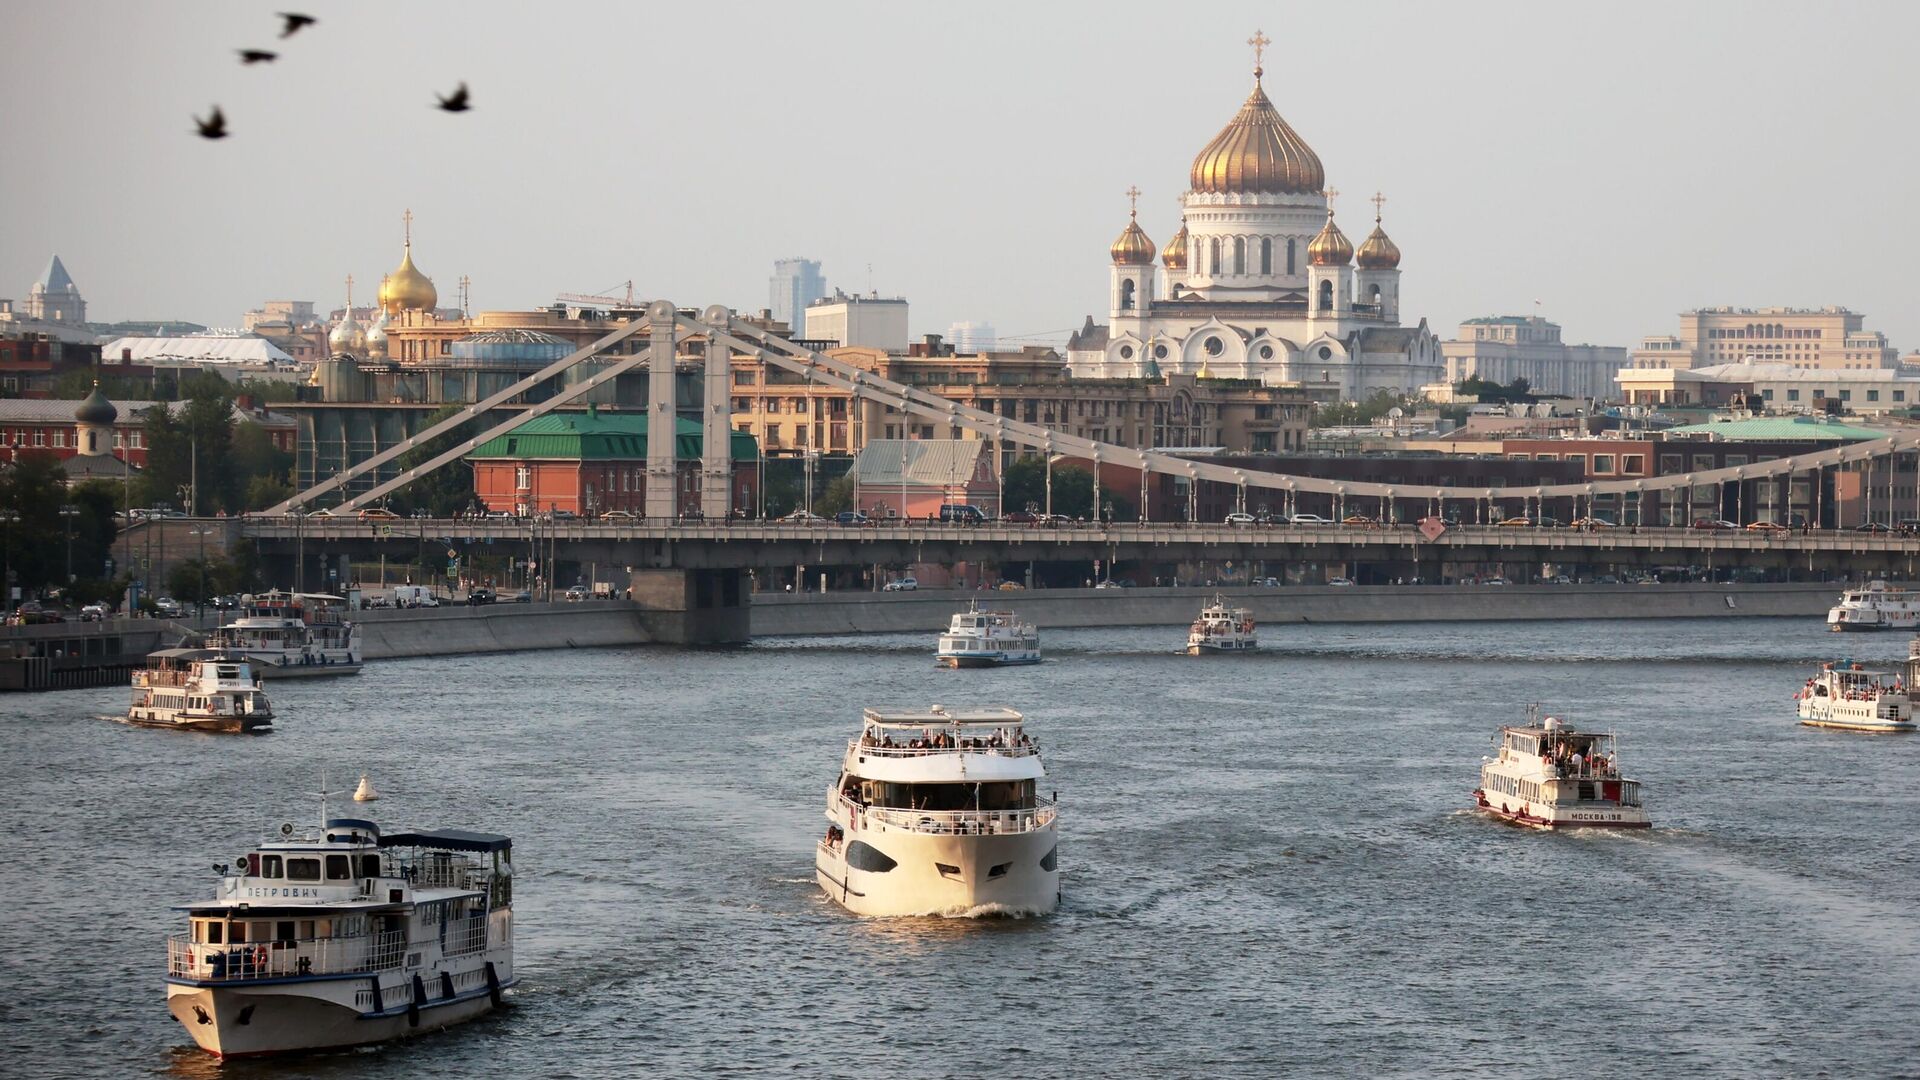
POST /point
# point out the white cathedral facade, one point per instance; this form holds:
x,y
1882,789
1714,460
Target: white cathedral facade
x,y
1259,283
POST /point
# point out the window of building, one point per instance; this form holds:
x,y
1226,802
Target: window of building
x,y
1603,464
1290,250
1899,395
1266,255
60,439
39,438
1793,395
1632,464
1767,393
1873,395
1846,395
1213,345
1239,254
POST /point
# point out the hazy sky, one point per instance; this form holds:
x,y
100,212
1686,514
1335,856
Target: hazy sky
x,y
1619,162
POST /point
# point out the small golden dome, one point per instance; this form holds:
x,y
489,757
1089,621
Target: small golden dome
x,y
347,336
407,289
377,337
1257,152
1331,247
1175,257
1132,248
1205,372
1377,251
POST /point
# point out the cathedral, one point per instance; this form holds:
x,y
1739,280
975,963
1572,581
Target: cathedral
x,y
1259,282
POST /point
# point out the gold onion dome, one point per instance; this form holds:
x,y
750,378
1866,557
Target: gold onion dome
x,y
1378,251
1175,257
346,336
1331,247
407,289
1132,248
376,337
1257,152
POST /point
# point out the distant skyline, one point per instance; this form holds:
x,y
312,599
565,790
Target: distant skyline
x,y
1619,164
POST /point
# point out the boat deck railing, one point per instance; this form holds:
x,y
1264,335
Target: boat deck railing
x,y
962,746
954,822
189,959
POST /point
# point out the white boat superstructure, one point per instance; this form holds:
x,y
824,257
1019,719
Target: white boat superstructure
x,y
979,637
937,811
199,690
294,634
345,937
1549,776
1221,628
1845,695
1877,606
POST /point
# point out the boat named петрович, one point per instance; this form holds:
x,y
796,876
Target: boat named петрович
x,y
345,937
936,812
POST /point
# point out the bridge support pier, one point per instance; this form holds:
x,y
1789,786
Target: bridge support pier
x,y
693,607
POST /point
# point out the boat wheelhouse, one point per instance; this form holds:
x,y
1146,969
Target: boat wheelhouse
x,y
1846,696
938,811
289,635
1550,776
199,690
343,937
979,637
1221,629
1876,606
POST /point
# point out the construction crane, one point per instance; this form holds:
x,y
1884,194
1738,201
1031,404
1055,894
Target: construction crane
x,y
598,300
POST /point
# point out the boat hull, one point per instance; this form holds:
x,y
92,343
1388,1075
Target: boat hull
x,y
984,660
267,669
1028,882
291,1017
1550,818
1844,724
252,724
1204,648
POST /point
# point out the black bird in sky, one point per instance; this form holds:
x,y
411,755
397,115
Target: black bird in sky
x,y
255,56
295,21
457,102
213,127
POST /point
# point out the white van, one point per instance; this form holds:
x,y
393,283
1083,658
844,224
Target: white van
x,y
411,596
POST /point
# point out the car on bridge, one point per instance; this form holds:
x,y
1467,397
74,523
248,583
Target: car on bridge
x,y
1021,517
1359,521
1772,528
905,584
802,517
1591,522
1307,519
621,515
378,513
851,517
1240,518
94,613
1872,527
1714,525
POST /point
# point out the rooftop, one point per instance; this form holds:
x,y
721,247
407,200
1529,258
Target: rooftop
x,y
600,436
1797,427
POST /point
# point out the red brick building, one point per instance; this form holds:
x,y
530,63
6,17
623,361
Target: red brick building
x,y
592,462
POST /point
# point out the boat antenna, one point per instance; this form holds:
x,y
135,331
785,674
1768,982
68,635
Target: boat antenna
x,y
323,793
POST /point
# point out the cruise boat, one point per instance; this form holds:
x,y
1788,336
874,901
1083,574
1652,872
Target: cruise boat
x,y
199,690
1221,629
345,936
289,635
1846,696
1877,606
938,812
1550,776
978,637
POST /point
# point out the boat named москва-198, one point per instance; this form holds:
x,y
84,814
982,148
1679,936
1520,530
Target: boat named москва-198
x,y
936,812
345,937
1550,776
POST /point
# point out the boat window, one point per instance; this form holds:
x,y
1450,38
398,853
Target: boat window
x,y
270,866
306,929
863,856
283,931
303,869
339,868
369,866
239,935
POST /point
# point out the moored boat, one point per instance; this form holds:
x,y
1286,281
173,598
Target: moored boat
x,y
1846,696
937,812
980,637
344,937
199,690
1550,776
1221,629
1877,606
290,635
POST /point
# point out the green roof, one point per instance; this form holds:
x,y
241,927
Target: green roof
x,y
600,436
1783,427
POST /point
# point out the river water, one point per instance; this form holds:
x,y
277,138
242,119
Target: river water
x,y
1268,864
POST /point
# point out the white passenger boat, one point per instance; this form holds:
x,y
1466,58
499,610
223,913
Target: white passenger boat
x,y
289,635
1550,776
345,937
199,690
1877,606
978,637
1846,696
938,812
1221,629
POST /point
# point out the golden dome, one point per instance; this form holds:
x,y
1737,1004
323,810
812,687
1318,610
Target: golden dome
x,y
1205,372
376,337
1377,251
1132,248
407,289
1331,247
347,336
1257,152
1175,257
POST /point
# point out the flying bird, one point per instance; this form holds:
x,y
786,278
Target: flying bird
x,y
457,102
295,21
213,127
255,56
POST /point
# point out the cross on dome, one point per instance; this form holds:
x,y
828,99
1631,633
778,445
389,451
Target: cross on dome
x,y
1133,200
1378,201
1259,41
1330,195
406,225
349,295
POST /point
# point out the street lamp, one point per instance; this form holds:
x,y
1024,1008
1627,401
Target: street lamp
x,y
67,514
8,519
202,532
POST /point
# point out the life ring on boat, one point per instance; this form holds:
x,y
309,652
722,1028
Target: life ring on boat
x,y
260,956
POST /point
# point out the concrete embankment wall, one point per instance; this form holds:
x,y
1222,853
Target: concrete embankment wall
x,y
386,633
781,615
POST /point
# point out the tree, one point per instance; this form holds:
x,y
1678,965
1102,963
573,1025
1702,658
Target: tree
x,y
837,498
1520,391
36,547
785,488
1355,413
1026,486
447,491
